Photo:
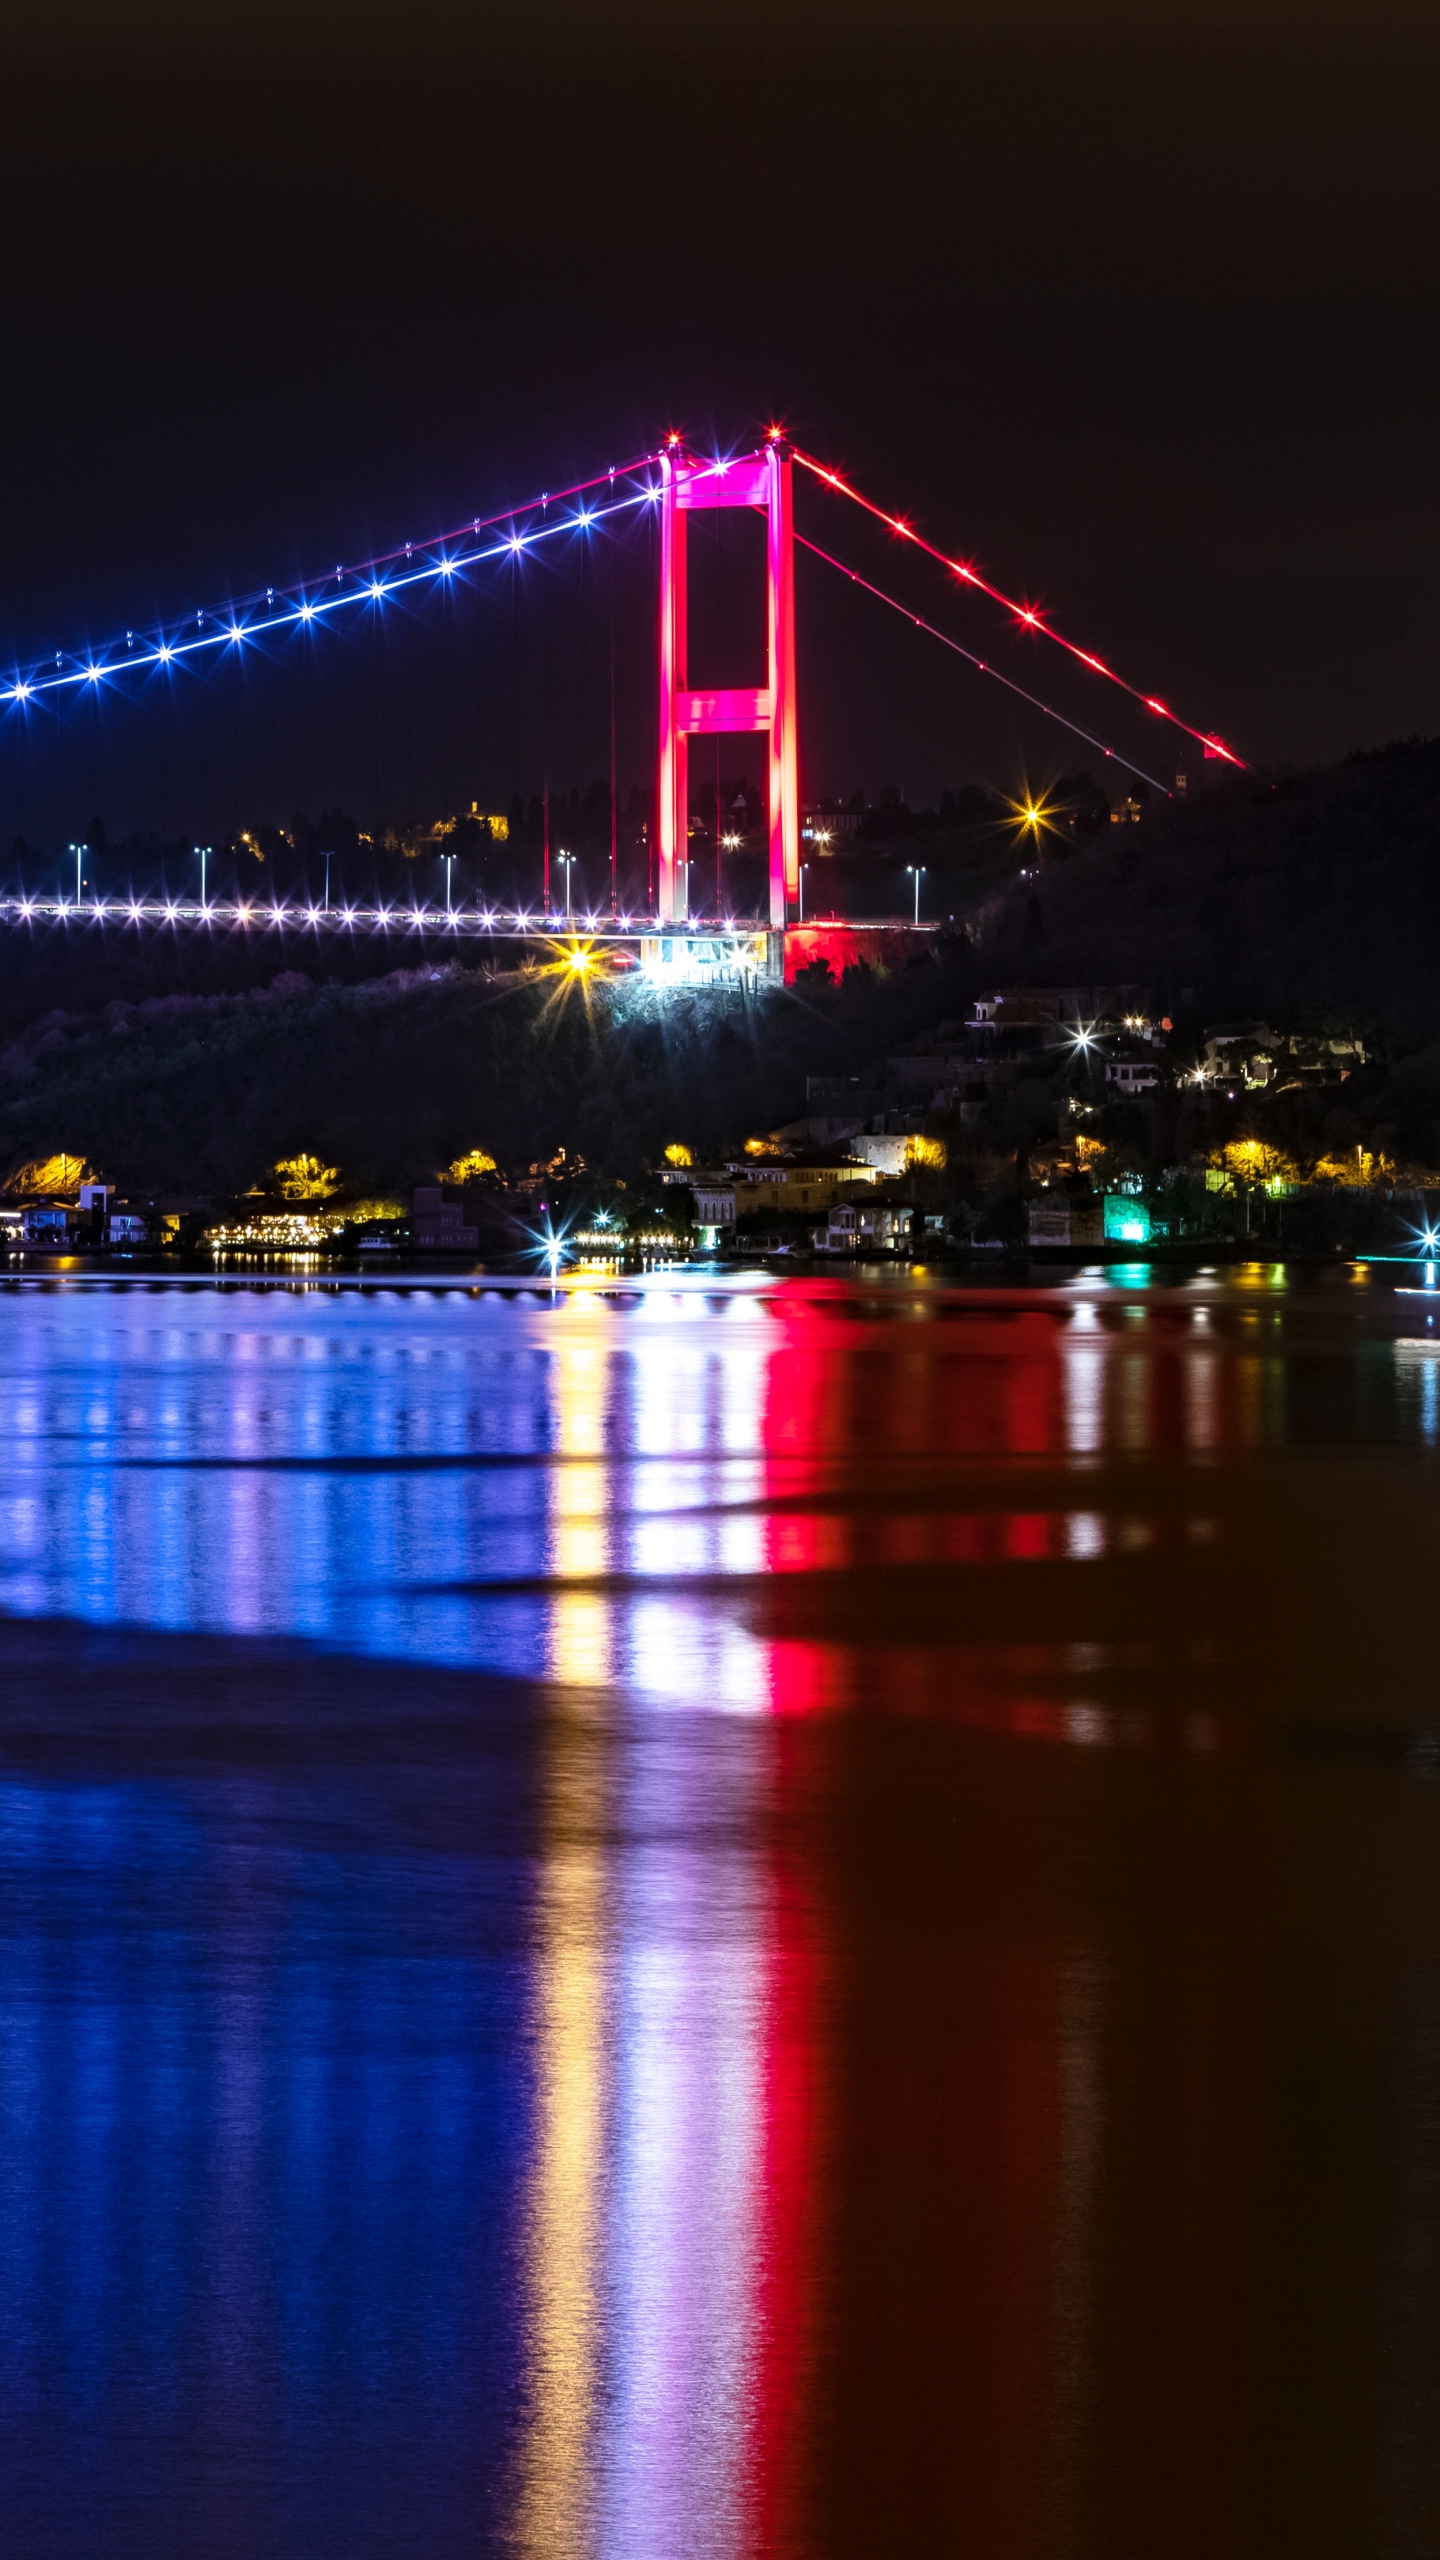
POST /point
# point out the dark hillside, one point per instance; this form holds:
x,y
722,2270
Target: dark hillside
x,y
390,1080
1296,899
1292,897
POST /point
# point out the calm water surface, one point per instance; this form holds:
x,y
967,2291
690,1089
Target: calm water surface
x,y
715,1921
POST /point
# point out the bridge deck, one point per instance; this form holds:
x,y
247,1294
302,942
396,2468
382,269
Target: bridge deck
x,y
490,924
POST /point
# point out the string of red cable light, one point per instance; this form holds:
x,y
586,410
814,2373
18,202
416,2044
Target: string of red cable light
x,y
1024,614
508,515
982,665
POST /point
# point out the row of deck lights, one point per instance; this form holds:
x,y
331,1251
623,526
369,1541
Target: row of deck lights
x,y
452,919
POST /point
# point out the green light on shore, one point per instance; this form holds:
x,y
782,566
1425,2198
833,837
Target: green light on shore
x,y
1127,1221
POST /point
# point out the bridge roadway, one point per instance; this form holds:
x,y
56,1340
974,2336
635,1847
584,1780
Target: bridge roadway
x,y
702,951
530,924
292,916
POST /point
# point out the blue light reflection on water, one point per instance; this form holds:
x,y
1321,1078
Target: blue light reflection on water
x,y
262,2148
359,2195
379,1474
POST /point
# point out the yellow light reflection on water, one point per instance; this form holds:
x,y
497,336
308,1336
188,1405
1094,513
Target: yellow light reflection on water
x,y
555,2504
561,2243
579,1646
653,1999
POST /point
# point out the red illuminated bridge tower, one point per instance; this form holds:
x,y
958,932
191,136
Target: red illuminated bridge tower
x,y
753,480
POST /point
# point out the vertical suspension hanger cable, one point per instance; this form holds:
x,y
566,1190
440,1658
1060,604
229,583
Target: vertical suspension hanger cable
x,y
375,826
719,515
584,660
477,743
545,740
94,772
410,764
514,679
237,752
614,784
447,703
655,732
304,827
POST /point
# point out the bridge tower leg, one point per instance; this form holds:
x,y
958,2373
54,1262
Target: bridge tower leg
x,y
760,480
672,798
784,726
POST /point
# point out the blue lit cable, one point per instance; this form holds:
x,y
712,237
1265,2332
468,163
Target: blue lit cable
x,y
373,586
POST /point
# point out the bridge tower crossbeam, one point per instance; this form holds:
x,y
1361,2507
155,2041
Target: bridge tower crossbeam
x,y
760,480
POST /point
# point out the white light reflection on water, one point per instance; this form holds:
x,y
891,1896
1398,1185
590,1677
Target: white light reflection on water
x,y
649,2007
689,2020
1084,1360
657,2071
1418,1363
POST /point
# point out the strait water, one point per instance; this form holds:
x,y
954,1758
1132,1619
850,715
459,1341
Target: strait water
x,y
791,1918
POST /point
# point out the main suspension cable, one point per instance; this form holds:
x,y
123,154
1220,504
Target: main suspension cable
x,y
1024,614
981,665
371,581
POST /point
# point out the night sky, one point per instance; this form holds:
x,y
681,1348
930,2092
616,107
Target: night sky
x,y
1136,307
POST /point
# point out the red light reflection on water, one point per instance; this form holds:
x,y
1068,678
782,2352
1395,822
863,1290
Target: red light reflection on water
x,y
697,2172
859,1425
791,2165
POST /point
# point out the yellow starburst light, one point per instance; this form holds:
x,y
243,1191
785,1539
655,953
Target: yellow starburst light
x,y
1033,816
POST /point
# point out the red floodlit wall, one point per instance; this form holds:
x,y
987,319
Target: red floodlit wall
x,y
884,947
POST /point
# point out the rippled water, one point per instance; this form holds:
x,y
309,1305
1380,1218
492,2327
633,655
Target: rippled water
x,y
782,1919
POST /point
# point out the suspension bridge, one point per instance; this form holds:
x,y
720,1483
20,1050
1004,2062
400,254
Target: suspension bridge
x,y
665,488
